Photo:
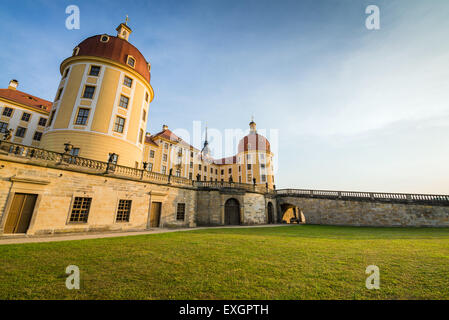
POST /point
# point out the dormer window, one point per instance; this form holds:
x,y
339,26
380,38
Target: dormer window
x,y
76,51
149,66
104,38
131,62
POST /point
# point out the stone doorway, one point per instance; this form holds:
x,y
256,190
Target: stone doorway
x,y
20,213
232,212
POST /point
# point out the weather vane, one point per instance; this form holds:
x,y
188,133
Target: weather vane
x,y
126,20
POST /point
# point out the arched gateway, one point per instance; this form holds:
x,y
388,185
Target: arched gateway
x,y
232,212
270,213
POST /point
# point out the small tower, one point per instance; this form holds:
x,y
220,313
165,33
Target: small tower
x,y
13,84
205,151
123,31
252,126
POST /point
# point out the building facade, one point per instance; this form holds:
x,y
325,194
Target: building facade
x,y
101,111
85,162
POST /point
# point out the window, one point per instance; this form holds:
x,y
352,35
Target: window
x,y
264,178
52,116
216,171
76,51
66,73
165,146
190,175
199,167
249,167
191,154
141,136
26,117
124,101
89,92
3,127
178,173
123,211
191,164
150,167
37,136
94,71
104,38
240,168
262,166
20,132
119,124
164,169
83,115
205,168
58,96
230,170
131,62
211,170
146,96
128,82
152,154
164,157
7,112
222,172
144,115
80,209
42,122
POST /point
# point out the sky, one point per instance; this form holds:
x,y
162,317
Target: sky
x,y
344,107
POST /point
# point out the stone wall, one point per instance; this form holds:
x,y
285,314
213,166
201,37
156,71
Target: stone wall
x,y
58,185
56,190
369,213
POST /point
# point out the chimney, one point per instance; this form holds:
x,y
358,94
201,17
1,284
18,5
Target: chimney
x,y
13,84
164,127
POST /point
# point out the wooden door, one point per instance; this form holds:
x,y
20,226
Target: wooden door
x,y
155,214
20,213
270,213
232,212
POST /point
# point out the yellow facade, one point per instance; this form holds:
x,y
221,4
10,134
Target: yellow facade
x,y
102,105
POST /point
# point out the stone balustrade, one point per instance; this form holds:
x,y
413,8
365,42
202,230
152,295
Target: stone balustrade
x,y
366,196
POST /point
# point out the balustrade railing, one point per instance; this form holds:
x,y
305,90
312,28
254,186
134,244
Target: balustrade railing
x,y
371,196
73,162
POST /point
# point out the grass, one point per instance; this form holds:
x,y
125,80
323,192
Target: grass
x,y
293,262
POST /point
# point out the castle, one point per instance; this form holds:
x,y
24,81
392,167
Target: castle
x,y
100,115
86,163
101,110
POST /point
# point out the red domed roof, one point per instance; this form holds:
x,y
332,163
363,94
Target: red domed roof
x,y
115,49
253,142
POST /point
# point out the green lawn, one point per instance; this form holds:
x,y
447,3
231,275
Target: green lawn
x,y
294,262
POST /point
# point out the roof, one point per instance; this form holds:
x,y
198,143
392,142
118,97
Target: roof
x,y
26,99
149,140
167,135
228,160
116,49
253,142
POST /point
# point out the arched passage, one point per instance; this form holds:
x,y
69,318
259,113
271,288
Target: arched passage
x,y
270,213
232,212
292,214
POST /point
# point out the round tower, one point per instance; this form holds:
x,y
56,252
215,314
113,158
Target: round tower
x,y
102,102
256,158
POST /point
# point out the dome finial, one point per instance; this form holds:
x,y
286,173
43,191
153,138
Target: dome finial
x,y
123,30
252,125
